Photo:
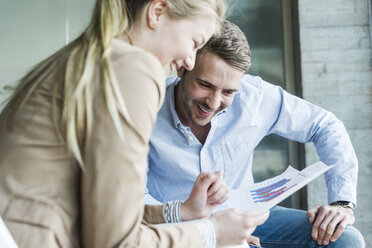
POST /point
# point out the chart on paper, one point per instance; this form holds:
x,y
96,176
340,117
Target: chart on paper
x,y
266,194
275,189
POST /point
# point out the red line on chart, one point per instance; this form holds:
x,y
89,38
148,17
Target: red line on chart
x,y
270,187
272,196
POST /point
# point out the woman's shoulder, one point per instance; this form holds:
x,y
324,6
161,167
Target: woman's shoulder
x,y
138,71
135,58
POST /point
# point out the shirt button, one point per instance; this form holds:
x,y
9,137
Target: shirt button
x,y
190,138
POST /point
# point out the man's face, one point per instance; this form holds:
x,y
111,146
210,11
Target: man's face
x,y
207,89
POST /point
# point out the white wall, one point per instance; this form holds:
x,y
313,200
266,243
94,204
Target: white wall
x,y
336,74
33,30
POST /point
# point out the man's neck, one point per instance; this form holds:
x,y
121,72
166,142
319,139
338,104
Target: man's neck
x,y
201,132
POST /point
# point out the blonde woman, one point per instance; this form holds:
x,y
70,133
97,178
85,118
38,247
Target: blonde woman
x,y
74,136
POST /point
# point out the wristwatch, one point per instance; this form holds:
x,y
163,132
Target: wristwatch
x,y
345,204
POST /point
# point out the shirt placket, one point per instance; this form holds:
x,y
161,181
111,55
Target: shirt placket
x,y
206,162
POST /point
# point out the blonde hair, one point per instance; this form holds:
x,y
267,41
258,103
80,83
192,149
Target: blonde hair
x,y
110,19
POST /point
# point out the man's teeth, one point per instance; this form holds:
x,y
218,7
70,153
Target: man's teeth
x,y
205,111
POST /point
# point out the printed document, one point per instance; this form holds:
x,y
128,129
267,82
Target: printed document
x,y
264,195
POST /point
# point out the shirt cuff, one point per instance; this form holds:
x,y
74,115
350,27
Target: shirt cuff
x,y
207,232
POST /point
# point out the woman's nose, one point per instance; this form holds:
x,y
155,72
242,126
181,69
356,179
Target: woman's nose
x,y
189,62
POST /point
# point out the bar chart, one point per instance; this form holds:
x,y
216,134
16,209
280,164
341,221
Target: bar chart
x,y
271,191
261,196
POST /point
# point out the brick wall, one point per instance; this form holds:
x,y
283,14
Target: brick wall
x,y
336,75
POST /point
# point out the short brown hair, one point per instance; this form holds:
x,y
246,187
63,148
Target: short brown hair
x,y
231,45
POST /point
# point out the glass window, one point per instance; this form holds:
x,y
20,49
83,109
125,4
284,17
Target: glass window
x,y
262,22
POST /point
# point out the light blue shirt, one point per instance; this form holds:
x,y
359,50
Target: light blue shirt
x,y
177,157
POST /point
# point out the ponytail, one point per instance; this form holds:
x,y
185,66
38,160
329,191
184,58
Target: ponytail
x,y
84,57
109,19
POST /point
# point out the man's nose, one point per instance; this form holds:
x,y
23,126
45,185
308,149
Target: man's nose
x,y
213,101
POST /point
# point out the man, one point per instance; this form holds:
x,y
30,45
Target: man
x,y
213,118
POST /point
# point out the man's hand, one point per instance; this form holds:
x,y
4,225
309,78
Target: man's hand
x,y
329,222
209,190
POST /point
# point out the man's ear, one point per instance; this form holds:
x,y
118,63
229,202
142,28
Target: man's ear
x,y
154,11
180,72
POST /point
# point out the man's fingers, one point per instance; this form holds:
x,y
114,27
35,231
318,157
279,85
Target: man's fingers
x,y
206,179
216,185
317,234
330,231
330,222
347,218
219,197
324,228
312,214
339,230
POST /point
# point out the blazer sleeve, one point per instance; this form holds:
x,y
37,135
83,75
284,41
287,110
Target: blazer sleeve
x,y
112,185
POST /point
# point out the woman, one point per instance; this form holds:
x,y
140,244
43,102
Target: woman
x,y
74,136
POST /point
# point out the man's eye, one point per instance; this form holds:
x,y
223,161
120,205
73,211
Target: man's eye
x,y
205,85
229,93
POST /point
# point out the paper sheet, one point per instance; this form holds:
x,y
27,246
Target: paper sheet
x,y
262,196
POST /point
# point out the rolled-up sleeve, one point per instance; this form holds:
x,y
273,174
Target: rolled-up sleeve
x,y
299,120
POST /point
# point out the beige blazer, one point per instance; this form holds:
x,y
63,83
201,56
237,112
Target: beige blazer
x,y
45,199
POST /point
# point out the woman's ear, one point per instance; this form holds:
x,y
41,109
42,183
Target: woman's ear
x,y
154,12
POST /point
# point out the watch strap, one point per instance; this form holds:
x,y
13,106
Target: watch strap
x,y
345,204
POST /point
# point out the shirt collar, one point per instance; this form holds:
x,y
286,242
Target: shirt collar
x,y
171,102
